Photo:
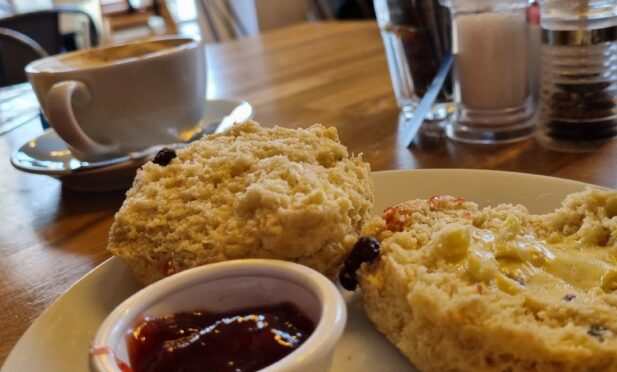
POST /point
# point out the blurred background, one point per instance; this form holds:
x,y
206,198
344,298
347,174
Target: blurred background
x,y
32,29
213,20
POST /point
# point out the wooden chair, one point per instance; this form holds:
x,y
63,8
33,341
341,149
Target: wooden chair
x,y
18,104
43,26
121,15
16,51
38,31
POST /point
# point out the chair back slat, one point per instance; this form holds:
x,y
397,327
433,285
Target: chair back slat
x,y
42,27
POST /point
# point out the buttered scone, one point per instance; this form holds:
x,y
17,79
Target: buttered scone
x,y
251,192
459,288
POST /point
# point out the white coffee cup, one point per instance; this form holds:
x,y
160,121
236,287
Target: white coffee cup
x,y
118,99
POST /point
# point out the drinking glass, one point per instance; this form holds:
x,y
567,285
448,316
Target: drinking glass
x,y
416,36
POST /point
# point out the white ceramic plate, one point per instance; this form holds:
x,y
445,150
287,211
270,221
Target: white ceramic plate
x,y
58,340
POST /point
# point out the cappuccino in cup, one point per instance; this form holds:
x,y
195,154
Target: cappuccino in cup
x,y
114,100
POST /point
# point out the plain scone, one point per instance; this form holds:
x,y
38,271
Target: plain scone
x,y
251,192
459,288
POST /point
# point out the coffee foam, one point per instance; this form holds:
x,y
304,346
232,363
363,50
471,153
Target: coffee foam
x,y
106,56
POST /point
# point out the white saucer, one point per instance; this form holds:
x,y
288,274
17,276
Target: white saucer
x,y
48,154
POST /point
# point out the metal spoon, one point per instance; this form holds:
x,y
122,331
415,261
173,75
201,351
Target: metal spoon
x,y
150,151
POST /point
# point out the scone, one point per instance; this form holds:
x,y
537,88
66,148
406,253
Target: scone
x,y
251,192
459,288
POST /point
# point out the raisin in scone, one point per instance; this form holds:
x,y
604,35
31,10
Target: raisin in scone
x,y
251,192
459,288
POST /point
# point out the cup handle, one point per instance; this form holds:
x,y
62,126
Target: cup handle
x,y
60,114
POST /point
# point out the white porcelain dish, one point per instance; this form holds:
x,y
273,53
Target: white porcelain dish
x,y
229,286
59,339
48,154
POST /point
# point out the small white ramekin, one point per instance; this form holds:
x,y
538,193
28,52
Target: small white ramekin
x,y
229,286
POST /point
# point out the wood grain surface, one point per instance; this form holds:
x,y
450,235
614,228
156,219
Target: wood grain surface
x,y
333,73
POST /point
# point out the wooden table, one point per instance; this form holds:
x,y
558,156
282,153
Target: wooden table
x,y
333,73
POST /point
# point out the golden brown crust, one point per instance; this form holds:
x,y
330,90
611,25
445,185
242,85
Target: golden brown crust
x,y
248,193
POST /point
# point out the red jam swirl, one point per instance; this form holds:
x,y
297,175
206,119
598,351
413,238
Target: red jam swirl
x,y
242,340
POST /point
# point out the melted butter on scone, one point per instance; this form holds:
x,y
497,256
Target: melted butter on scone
x,y
520,261
464,288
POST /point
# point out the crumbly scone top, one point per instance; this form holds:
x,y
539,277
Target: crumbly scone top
x,y
292,194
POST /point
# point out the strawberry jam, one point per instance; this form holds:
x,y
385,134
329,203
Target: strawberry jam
x,y
242,340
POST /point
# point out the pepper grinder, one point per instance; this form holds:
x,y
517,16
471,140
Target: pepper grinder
x,y
578,100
